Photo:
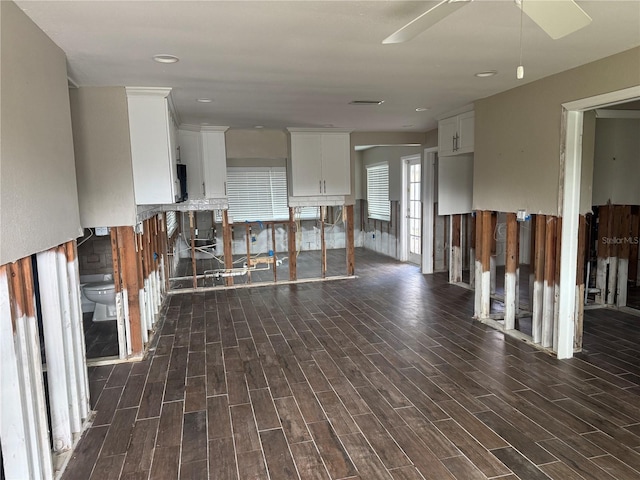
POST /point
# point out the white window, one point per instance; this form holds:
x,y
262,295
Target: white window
x,y
260,194
378,192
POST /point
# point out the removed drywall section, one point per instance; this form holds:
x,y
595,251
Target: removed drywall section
x,y
517,134
616,174
38,186
256,143
103,156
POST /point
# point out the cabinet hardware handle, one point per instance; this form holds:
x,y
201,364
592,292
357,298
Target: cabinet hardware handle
x,y
203,190
320,185
453,143
325,186
225,189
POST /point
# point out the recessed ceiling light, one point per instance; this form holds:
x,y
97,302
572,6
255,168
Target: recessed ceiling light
x,y
488,73
204,100
422,109
164,58
328,125
407,126
366,102
259,126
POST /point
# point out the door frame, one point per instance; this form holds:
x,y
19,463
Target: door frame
x,y
569,204
404,233
429,159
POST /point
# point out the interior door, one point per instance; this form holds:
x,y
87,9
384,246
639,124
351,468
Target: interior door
x,y
414,210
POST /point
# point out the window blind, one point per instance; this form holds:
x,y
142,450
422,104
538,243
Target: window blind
x,y
260,193
378,192
172,222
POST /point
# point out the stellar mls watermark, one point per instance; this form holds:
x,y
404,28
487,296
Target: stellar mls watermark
x,y
621,240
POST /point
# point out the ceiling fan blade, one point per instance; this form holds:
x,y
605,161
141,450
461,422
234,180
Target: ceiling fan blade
x,y
426,20
557,18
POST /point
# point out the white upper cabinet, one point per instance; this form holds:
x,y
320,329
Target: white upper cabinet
x,y
153,135
203,151
214,162
320,163
191,155
456,134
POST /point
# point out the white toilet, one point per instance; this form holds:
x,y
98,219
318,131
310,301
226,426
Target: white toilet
x,y
104,296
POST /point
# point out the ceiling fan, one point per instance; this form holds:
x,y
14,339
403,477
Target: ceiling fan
x,y
557,18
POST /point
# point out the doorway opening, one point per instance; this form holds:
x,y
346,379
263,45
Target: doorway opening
x,y
412,200
570,316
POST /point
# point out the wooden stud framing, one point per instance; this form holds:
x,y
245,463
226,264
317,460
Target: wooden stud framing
x,y
538,285
130,260
624,234
580,283
293,251
485,259
23,421
455,270
164,249
247,231
122,307
510,276
323,244
634,230
478,265
614,250
472,249
494,248
351,252
54,326
77,331
140,253
556,286
275,252
549,282
604,233
227,245
192,233
532,259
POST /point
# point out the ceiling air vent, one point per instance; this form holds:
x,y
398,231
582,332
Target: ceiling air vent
x,y
366,102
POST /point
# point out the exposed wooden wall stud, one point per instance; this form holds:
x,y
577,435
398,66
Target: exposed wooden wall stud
x,y
548,303
580,283
293,250
351,252
510,276
624,237
455,270
538,285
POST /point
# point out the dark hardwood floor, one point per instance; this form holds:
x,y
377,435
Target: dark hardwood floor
x,y
381,376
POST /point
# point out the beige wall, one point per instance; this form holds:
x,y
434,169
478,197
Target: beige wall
x,y
517,134
381,138
616,175
37,170
256,143
103,156
392,155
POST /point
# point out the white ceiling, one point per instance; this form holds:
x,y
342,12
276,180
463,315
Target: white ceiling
x,y
299,63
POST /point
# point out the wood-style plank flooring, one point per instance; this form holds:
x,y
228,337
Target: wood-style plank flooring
x,y
380,377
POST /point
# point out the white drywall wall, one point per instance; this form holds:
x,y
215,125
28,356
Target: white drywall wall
x,y
38,178
103,156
